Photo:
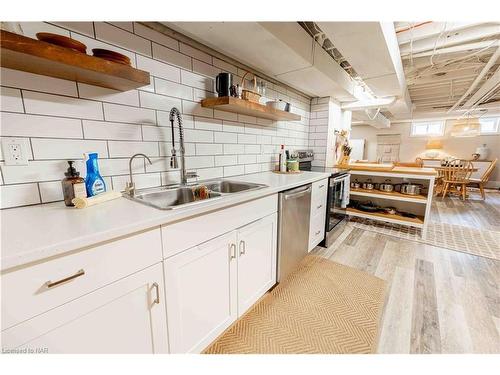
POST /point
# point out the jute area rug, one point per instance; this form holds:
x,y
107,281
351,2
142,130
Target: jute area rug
x,y
323,307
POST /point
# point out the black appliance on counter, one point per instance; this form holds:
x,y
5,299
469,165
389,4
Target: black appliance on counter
x,y
337,200
223,83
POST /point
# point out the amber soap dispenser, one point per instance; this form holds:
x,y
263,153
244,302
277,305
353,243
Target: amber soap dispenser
x,y
73,185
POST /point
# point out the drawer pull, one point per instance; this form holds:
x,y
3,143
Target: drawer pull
x,y
51,284
321,186
157,289
232,251
319,206
318,232
243,247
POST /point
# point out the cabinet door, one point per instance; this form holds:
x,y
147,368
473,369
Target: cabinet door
x,y
256,260
127,316
201,293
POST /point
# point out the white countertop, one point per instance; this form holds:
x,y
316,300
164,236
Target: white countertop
x,y
31,234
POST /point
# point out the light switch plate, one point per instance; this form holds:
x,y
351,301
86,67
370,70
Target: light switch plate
x,y
15,151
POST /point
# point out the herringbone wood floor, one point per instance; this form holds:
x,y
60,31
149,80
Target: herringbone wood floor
x,y
438,300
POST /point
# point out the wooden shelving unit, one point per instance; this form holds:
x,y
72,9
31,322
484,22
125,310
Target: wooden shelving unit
x,y
394,195
245,107
417,222
34,56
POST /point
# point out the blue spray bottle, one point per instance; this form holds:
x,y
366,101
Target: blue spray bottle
x,y
93,181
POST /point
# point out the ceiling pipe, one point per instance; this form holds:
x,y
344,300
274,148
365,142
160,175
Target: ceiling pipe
x,y
367,104
455,49
492,61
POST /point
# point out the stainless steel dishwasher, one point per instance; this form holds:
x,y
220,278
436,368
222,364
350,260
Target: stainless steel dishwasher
x,y
293,237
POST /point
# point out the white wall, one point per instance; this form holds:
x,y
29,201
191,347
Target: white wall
x,y
412,147
62,119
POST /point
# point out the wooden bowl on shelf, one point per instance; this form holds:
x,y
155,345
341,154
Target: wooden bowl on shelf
x,y
62,41
111,56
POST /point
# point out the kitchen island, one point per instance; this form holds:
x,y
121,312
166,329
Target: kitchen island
x,y
411,209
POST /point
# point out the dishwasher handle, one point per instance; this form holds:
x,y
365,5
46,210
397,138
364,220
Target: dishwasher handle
x,y
296,193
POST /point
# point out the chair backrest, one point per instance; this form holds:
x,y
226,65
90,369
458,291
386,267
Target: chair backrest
x,y
487,173
458,170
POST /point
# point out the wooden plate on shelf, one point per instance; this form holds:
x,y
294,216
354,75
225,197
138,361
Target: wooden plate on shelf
x,y
111,56
62,41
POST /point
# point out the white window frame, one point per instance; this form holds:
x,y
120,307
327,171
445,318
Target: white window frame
x,y
497,126
440,122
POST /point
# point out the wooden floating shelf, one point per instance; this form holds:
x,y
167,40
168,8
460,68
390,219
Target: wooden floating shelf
x,y
245,107
34,56
394,195
417,222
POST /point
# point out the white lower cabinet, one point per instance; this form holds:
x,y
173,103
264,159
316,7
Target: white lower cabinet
x,y
127,316
210,285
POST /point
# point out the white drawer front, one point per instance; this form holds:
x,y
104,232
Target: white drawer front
x,y
25,292
185,234
319,192
316,230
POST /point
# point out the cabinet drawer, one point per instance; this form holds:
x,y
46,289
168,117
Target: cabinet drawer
x,y
316,230
185,234
319,192
30,291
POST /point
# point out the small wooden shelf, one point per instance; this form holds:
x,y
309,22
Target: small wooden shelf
x,y
245,107
417,222
394,195
34,56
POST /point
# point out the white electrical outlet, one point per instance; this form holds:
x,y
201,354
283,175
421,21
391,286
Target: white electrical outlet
x,y
15,151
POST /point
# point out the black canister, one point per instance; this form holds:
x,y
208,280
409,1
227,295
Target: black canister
x,y
223,83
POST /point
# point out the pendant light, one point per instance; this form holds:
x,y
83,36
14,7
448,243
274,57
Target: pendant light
x,y
466,127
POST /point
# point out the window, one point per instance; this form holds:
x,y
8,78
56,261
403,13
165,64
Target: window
x,y
428,128
489,125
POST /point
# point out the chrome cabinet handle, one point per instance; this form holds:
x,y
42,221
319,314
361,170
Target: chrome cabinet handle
x,y
242,248
51,284
318,232
321,186
232,251
157,289
319,206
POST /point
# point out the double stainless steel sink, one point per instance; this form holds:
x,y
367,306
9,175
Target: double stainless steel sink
x,y
173,197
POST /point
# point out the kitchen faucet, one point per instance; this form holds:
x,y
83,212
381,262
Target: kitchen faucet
x,y
175,113
130,186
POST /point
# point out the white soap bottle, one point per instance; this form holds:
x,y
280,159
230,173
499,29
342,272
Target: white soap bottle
x,y
282,159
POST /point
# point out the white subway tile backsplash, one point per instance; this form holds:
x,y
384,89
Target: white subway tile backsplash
x,y
193,162
156,101
208,149
173,89
223,160
125,39
209,173
121,113
122,149
85,28
159,69
247,138
11,100
234,149
142,181
221,137
247,159
51,191
170,177
192,108
45,148
164,119
202,136
36,171
21,125
156,133
37,82
159,165
113,167
18,195
197,80
233,127
234,170
111,130
252,168
155,36
166,148
171,57
200,94
108,95
203,123
225,66
30,29
205,69
196,53
225,115
54,105
252,149
129,26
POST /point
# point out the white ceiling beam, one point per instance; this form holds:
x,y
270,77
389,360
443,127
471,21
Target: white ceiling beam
x,y
367,104
478,79
459,48
491,84
429,30
446,40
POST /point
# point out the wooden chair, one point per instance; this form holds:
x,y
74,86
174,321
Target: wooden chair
x,y
457,174
481,182
438,182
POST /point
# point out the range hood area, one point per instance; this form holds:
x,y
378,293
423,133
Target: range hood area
x,y
282,50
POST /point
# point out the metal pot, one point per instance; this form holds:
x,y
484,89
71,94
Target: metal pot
x,y
411,189
386,186
355,184
368,184
390,210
